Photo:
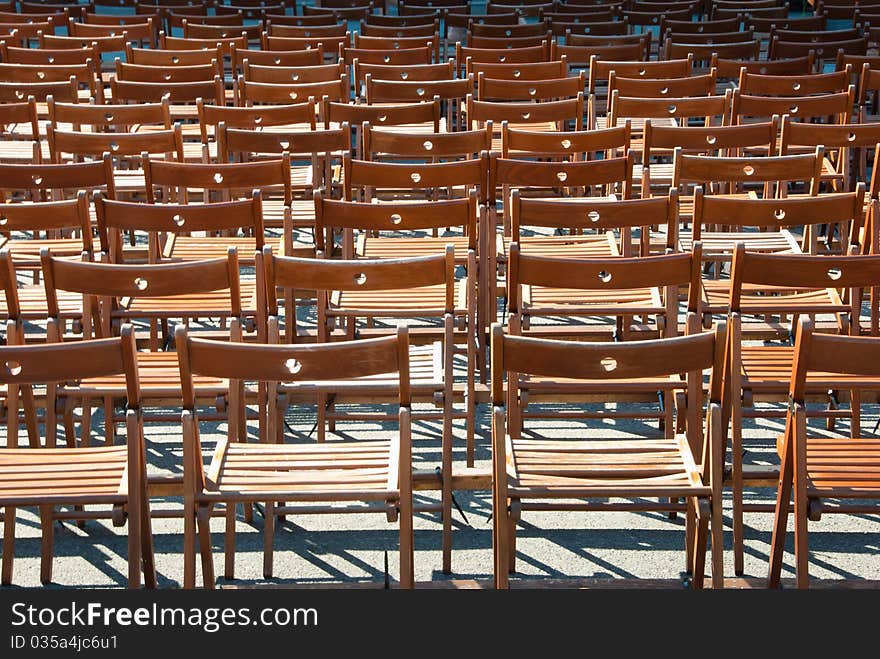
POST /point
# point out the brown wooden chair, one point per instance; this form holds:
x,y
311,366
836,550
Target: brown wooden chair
x,y
405,117
316,157
553,116
765,225
402,57
179,183
168,57
158,74
307,57
109,476
803,285
125,149
729,69
815,469
350,293
565,145
292,74
378,472
517,70
155,294
537,473
659,142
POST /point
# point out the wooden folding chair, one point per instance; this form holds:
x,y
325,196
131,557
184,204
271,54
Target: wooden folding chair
x,y
541,473
152,293
377,472
349,292
815,469
796,285
109,476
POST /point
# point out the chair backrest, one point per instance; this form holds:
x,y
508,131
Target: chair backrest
x,y
713,110
205,31
580,56
42,182
36,73
173,56
402,72
72,361
702,52
403,91
49,216
513,356
595,214
746,169
825,353
112,282
159,74
496,89
16,55
94,145
292,74
518,71
108,44
362,178
161,220
329,44
794,85
837,106
20,114
15,92
109,118
729,69
307,57
659,139
328,276
800,210
601,68
609,274
254,117
563,24
501,55
249,93
294,364
824,51
129,91
167,42
474,41
562,112
404,56
694,85
381,143
331,214
566,145
611,175
798,272
176,179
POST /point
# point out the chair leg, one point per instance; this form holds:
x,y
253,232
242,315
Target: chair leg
x,y
109,422
511,545
229,541
8,544
189,543
738,486
30,414
321,418
204,520
148,555
690,521
48,531
716,527
698,569
135,521
446,495
501,524
801,540
407,544
268,539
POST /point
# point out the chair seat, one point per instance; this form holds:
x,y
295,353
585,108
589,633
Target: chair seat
x,y
543,468
26,252
394,248
32,302
159,376
404,302
210,304
768,369
198,248
716,295
542,385
719,245
545,300
17,151
847,468
63,475
575,247
341,471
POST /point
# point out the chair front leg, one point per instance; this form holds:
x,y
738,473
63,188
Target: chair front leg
x,y
8,544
